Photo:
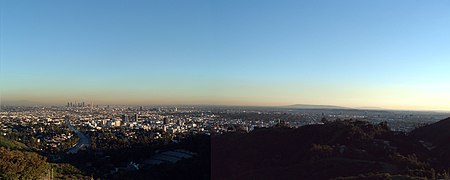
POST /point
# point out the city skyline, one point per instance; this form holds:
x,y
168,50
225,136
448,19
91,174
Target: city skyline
x,y
392,55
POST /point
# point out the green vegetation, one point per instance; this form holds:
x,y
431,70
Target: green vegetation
x,y
66,171
6,143
17,161
16,164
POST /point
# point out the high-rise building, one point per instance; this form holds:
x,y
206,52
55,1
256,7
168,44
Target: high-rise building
x,y
125,118
136,117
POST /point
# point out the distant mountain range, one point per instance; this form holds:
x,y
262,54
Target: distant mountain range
x,y
310,106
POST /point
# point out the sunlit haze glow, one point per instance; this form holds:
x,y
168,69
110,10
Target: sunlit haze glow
x,y
386,54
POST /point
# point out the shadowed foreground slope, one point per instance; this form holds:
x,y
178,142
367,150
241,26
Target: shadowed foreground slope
x,y
343,149
436,137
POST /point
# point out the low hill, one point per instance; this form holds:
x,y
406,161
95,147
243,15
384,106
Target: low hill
x,y
341,149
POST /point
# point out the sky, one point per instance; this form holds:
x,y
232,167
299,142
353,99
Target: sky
x,y
383,53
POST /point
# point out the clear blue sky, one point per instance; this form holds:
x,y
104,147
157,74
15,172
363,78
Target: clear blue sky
x,y
384,53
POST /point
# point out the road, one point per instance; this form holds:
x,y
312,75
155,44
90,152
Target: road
x,y
83,142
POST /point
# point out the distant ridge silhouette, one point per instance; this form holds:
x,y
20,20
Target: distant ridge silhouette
x,y
311,106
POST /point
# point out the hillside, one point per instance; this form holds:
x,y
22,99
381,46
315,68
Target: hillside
x,y
436,137
341,149
6,143
18,161
438,133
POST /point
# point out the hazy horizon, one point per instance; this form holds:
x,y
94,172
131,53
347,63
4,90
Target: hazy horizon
x,y
386,54
30,104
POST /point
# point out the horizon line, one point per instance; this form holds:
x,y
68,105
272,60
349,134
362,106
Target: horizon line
x,y
34,104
